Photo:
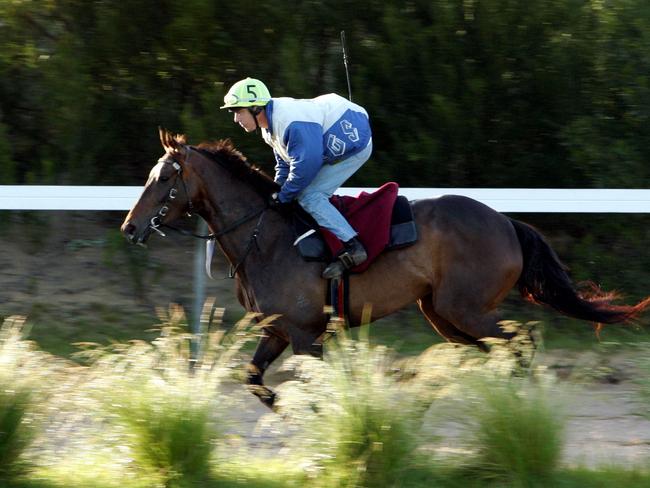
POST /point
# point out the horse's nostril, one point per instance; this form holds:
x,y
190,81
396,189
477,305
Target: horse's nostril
x,y
128,229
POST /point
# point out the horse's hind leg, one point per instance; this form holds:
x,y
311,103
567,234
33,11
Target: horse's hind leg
x,y
478,325
268,350
488,325
443,327
520,342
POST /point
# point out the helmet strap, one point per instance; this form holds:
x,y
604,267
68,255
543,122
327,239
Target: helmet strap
x,y
255,111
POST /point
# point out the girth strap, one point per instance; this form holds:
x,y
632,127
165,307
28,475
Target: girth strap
x,y
338,297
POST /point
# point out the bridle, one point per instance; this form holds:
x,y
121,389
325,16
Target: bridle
x,y
155,224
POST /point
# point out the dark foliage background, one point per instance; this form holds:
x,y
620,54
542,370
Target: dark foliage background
x,y
461,93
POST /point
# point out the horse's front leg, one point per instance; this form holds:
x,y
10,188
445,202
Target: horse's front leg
x,y
268,350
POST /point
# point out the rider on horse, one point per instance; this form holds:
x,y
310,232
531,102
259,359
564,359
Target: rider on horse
x,y
318,144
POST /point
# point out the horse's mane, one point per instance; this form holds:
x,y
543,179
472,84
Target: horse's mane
x,y
224,153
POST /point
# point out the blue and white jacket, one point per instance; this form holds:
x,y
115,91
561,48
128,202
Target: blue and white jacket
x,y
305,134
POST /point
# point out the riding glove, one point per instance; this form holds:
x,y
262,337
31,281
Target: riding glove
x,y
282,207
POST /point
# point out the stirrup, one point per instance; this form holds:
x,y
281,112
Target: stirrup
x,y
347,260
344,262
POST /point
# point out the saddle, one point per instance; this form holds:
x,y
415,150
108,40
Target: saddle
x,y
383,220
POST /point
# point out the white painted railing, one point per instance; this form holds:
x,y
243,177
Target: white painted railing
x,y
32,197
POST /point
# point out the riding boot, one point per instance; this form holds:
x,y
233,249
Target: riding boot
x,y
353,254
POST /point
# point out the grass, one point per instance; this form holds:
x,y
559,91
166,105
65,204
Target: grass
x,y
518,435
363,413
15,434
168,424
23,388
59,337
406,332
364,422
137,416
169,416
425,476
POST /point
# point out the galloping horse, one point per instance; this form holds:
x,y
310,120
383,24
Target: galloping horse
x,y
465,262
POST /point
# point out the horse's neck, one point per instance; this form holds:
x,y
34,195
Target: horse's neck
x,y
230,200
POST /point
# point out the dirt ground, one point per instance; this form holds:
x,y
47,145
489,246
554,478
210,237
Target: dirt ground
x,y
74,274
74,271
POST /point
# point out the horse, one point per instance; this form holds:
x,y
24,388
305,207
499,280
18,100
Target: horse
x,y
466,260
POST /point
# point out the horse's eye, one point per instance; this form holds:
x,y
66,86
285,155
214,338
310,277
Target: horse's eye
x,y
164,178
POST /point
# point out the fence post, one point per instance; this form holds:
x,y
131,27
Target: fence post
x,y
199,292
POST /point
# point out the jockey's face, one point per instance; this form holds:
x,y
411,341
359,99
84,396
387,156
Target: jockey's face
x,y
244,118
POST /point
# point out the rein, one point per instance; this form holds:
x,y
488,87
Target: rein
x,y
155,223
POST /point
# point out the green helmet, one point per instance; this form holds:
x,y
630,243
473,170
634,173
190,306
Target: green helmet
x,y
248,92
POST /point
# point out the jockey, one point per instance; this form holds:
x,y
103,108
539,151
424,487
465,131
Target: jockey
x,y
318,144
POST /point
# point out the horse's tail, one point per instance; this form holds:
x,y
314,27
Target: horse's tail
x,y
544,279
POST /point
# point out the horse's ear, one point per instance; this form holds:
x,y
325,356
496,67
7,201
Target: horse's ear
x,y
164,137
172,143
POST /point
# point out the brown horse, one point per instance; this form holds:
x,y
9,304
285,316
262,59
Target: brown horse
x,y
465,262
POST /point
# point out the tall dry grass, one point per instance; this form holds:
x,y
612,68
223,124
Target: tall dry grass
x,y
152,414
511,408
361,415
25,389
356,429
17,399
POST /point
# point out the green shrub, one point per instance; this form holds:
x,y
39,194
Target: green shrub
x,y
519,434
169,427
15,434
357,419
168,411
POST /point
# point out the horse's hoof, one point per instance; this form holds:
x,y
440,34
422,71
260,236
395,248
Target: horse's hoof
x,y
316,350
266,396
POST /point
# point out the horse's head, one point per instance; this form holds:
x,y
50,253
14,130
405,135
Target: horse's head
x,y
167,195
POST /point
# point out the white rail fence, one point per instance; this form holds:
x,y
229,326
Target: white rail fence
x,y
34,197
121,198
